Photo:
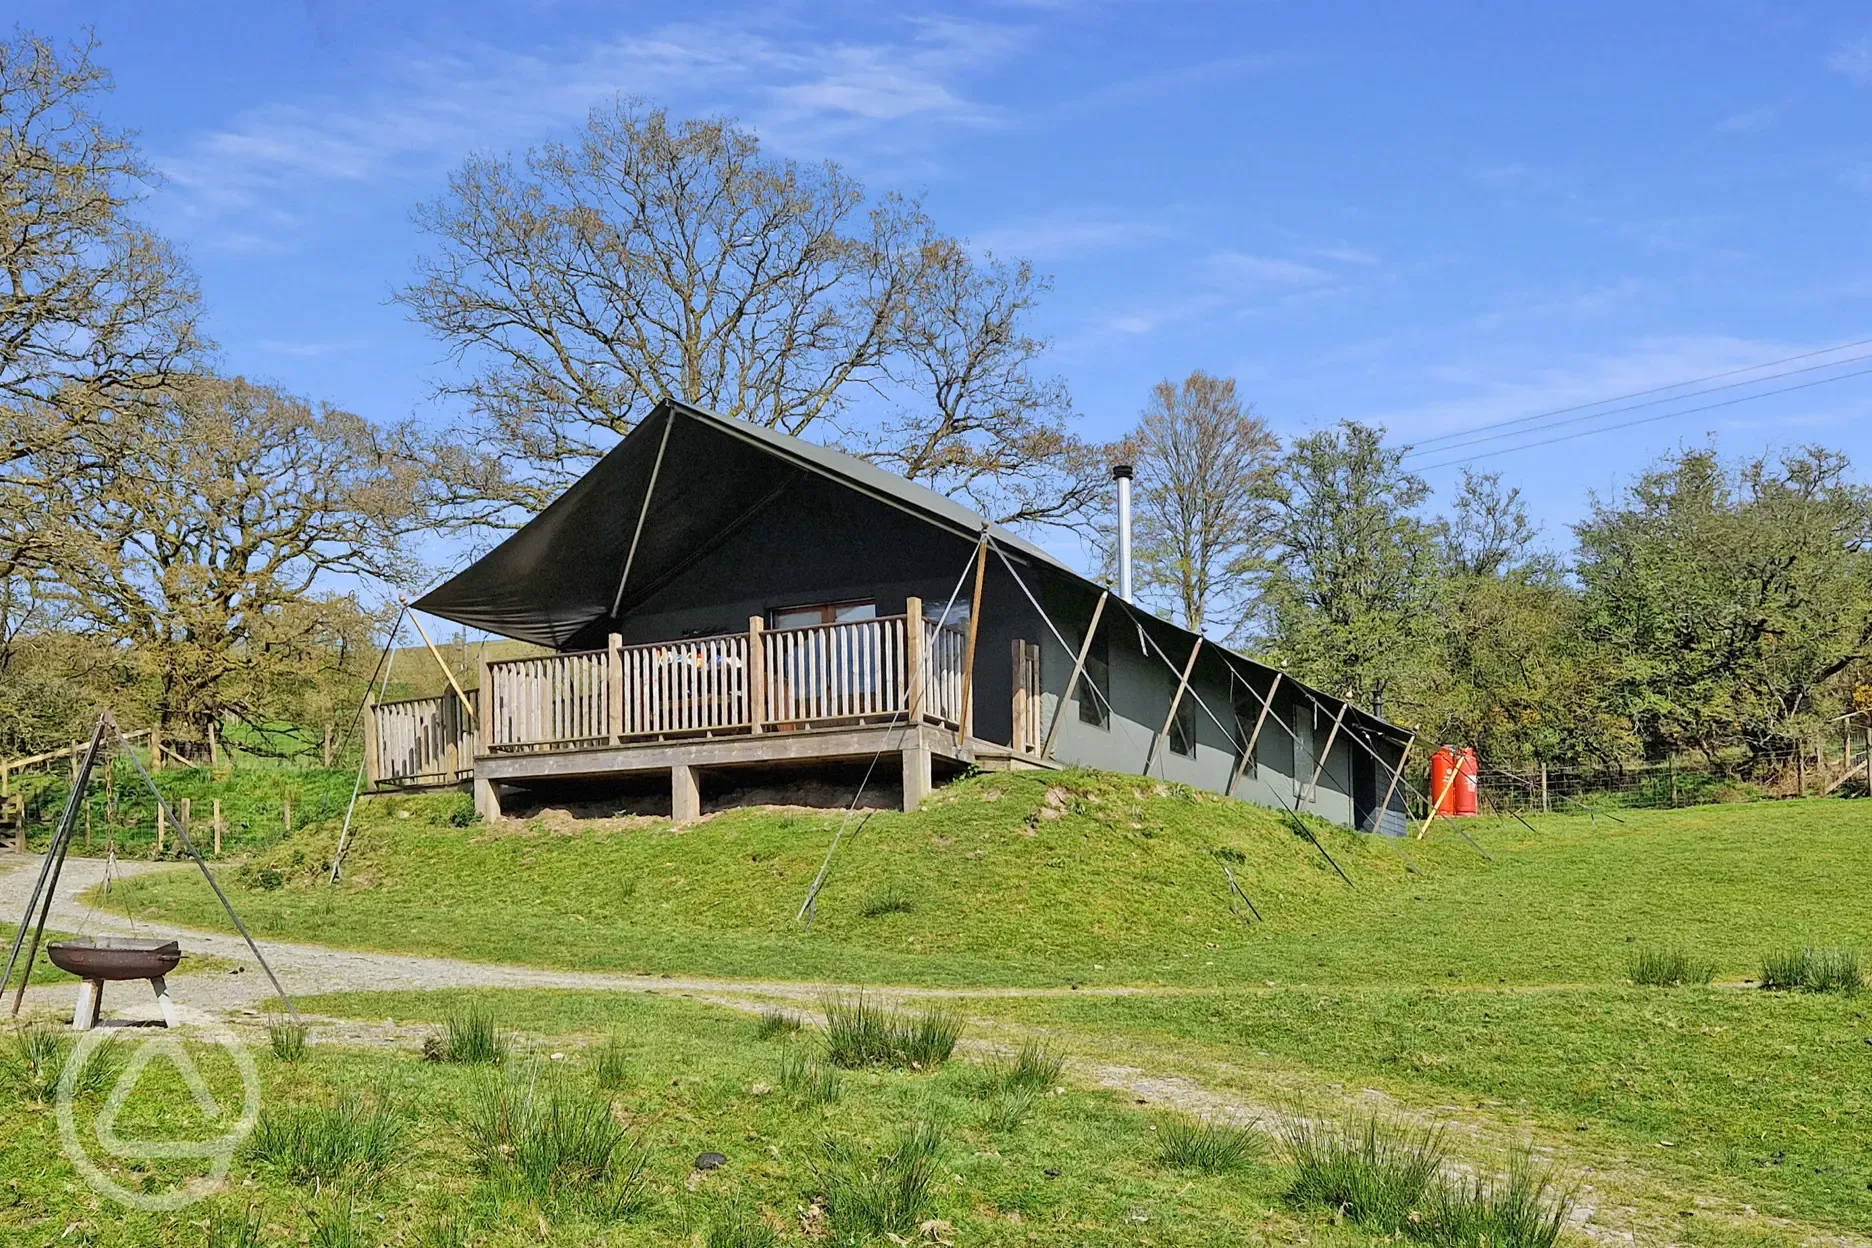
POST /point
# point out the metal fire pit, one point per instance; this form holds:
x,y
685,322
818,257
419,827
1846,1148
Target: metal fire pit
x,y
115,958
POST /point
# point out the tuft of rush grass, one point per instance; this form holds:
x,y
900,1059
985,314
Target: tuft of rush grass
x,y
1522,1208
812,1080
738,1226
555,1144
611,1062
1389,1177
33,1060
888,1194
1007,1107
350,1142
882,901
1814,969
470,1037
287,1038
1035,1068
336,1226
774,1024
1211,1147
231,1230
1378,1173
1667,966
860,1033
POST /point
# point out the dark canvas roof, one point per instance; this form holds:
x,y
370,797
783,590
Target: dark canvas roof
x,y
561,572
564,571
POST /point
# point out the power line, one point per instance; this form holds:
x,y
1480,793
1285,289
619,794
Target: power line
x,y
1567,437
1614,411
1639,394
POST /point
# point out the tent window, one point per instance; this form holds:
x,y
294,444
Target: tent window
x,y
821,613
1247,714
1095,683
1183,728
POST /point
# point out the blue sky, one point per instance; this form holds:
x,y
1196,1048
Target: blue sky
x,y
1433,216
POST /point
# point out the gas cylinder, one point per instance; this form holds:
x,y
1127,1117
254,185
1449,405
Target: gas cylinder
x,y
1468,775
1442,792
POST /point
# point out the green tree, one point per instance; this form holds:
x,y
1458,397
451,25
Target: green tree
x,y
1731,603
1353,573
215,549
1204,468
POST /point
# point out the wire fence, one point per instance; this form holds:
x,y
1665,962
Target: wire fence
x,y
1804,772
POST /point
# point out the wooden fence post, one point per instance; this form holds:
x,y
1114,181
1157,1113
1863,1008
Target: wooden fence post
x,y
1543,787
162,827
286,813
914,692
156,748
756,672
372,766
185,815
214,743
325,754
217,827
614,687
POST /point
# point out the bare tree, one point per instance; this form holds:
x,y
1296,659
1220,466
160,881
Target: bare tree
x,y
651,258
980,425
93,305
215,545
1204,464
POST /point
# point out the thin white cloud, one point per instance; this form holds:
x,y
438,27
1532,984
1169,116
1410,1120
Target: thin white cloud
x,y
1853,58
423,111
1236,268
1050,238
1753,121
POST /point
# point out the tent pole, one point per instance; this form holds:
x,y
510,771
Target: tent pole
x,y
1326,753
55,862
1248,751
1397,773
437,656
1176,700
966,726
357,786
643,513
1072,682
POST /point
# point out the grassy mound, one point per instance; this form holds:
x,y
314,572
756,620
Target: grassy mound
x,y
1078,878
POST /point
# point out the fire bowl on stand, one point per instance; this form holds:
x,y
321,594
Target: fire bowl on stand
x,y
105,959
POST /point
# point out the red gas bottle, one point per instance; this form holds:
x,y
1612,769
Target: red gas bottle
x,y
1442,791
1468,775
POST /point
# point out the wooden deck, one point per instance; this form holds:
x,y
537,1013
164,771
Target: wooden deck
x,y
766,697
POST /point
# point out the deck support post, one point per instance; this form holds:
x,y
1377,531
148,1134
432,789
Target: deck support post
x,y
756,672
484,694
685,794
914,695
486,797
614,688
917,780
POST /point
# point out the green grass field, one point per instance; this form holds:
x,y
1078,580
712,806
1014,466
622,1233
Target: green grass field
x,y
1488,993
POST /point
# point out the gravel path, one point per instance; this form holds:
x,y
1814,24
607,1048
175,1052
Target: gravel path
x,y
304,970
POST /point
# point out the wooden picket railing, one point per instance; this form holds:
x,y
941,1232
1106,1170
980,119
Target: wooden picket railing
x,y
763,680
421,741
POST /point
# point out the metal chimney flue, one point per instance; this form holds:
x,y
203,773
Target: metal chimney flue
x,y
1122,474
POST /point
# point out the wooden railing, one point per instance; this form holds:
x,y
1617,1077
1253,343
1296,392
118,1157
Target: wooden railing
x,y
822,675
421,741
